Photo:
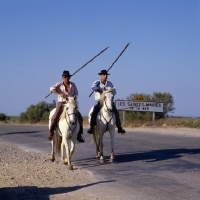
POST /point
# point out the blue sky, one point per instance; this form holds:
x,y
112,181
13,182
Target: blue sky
x,y
41,38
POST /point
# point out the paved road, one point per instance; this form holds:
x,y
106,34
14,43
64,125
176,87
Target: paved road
x,y
147,165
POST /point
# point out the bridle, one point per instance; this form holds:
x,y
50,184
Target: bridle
x,y
106,110
107,122
68,114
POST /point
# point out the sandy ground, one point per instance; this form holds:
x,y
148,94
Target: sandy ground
x,y
30,175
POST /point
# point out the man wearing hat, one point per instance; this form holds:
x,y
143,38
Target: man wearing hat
x,y
98,87
64,89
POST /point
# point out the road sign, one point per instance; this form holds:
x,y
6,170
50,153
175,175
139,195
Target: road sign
x,y
139,98
139,106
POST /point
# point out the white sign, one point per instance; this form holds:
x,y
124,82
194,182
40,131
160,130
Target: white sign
x,y
139,106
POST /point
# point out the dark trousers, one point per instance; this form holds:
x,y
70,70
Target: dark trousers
x,y
96,110
56,115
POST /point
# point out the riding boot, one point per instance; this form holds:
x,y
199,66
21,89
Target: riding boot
x,y
96,109
51,129
118,122
79,136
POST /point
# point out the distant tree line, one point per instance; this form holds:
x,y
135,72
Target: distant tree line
x,y
40,112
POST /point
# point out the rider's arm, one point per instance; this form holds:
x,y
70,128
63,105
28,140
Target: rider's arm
x,y
56,90
98,90
95,86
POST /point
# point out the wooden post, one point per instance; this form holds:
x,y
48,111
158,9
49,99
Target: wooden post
x,y
123,122
153,116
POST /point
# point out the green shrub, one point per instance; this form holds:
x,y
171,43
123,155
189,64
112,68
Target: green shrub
x,y
2,117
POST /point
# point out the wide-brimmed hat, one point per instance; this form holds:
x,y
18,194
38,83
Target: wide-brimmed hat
x,y
104,72
66,73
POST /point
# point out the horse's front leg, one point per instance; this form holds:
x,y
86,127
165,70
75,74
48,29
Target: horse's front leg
x,y
52,157
65,144
112,133
62,151
72,150
97,145
101,147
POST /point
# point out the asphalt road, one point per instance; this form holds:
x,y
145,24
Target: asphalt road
x,y
147,165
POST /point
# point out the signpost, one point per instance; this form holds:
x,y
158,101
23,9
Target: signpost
x,y
126,105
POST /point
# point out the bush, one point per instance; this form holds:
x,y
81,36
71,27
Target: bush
x,y
2,117
37,113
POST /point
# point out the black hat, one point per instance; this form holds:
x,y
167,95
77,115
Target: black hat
x,y
66,73
104,72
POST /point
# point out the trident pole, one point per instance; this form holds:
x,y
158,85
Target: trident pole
x,y
113,63
85,65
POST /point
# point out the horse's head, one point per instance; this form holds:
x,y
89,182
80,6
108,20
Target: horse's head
x,y
70,109
106,99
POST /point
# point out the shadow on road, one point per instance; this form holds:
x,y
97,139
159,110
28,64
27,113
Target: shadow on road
x,y
33,192
155,155
21,132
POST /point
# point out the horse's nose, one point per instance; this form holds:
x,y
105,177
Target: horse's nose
x,y
109,109
72,122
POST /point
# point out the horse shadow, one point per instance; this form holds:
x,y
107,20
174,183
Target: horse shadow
x,y
149,156
34,192
155,155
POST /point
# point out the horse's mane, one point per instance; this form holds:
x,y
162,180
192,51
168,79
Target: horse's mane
x,y
73,102
108,89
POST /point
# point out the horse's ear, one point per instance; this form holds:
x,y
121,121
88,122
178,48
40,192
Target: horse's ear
x,y
75,97
67,99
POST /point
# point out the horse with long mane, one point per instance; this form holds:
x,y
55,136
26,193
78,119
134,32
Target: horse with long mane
x,y
66,132
105,121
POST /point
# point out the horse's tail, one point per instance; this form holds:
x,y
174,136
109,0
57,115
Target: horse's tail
x,y
58,144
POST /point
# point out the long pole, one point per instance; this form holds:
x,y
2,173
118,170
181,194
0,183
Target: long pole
x,y
113,63
85,64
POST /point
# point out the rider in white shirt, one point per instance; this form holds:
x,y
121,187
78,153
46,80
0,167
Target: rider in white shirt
x,y
65,89
98,87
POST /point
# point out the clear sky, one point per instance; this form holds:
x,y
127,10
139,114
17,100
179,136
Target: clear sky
x,y
41,38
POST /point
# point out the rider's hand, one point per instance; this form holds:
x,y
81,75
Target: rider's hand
x,y
63,95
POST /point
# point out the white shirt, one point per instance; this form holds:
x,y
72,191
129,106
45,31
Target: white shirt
x,y
99,85
61,88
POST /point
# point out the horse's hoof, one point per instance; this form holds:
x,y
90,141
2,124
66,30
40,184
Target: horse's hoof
x,y
112,160
70,167
102,161
52,159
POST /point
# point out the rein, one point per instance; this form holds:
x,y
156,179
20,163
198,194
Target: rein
x,y
75,121
107,122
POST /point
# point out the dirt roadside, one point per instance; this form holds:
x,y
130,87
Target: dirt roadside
x,y
30,175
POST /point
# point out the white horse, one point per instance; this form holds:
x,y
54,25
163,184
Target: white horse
x,y
105,122
66,132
